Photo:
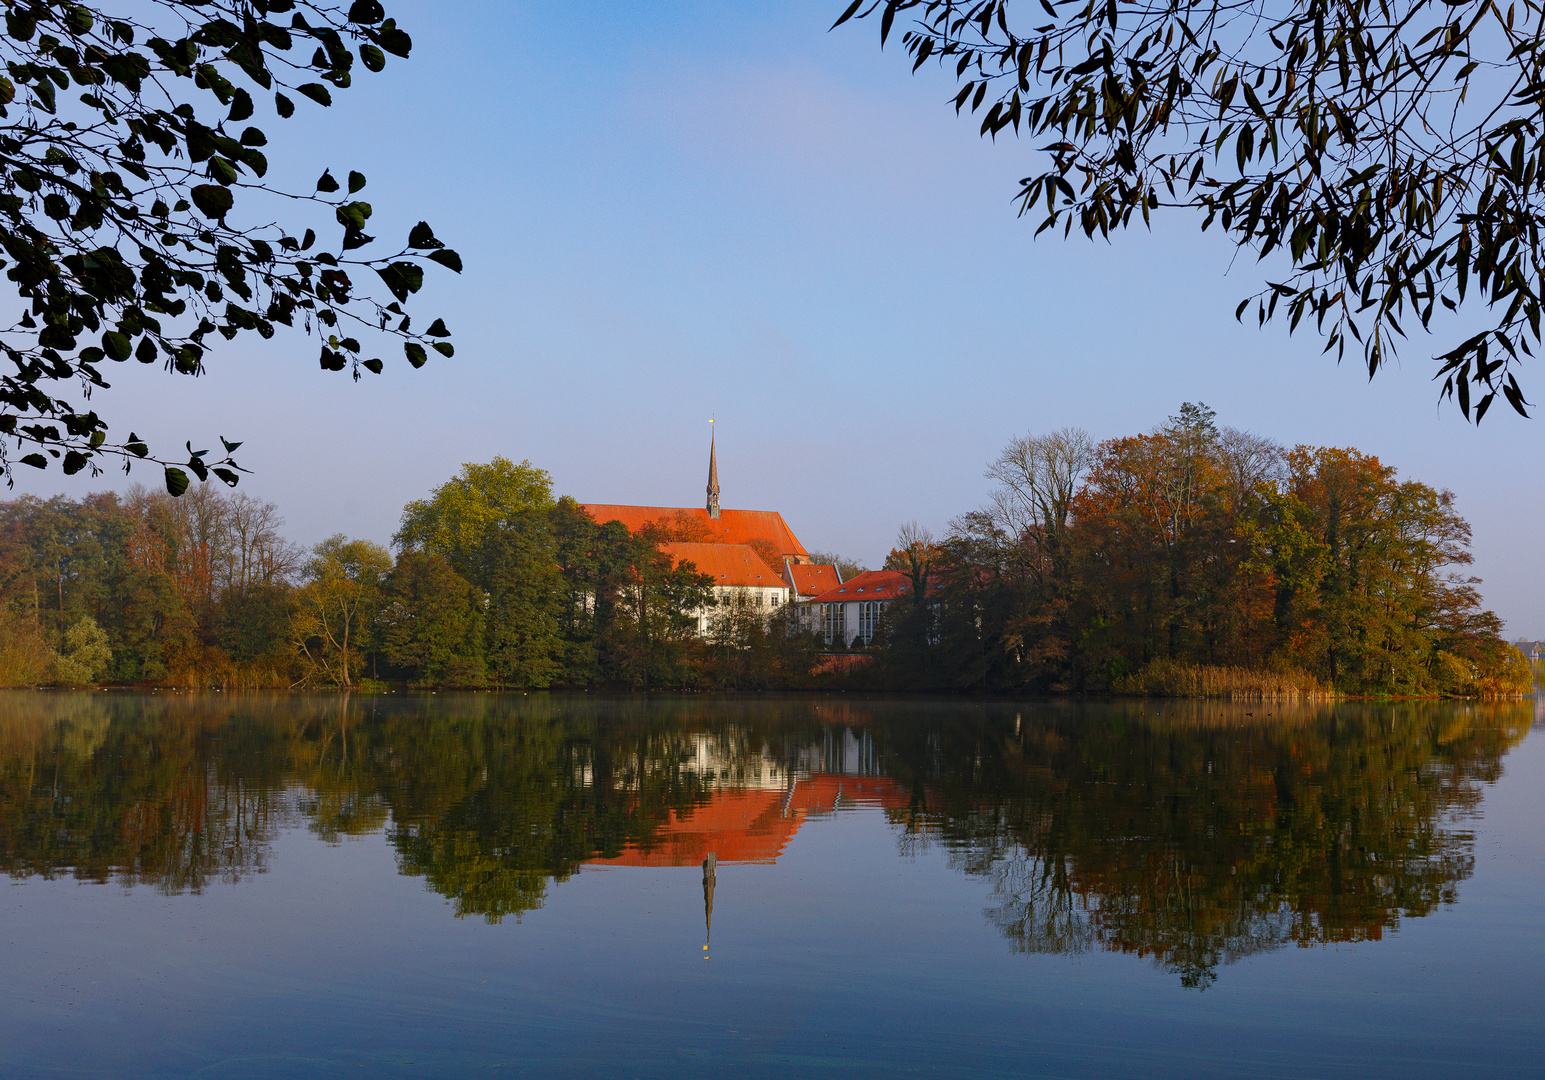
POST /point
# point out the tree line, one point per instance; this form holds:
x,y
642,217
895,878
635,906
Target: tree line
x,y
1193,560
495,582
1197,554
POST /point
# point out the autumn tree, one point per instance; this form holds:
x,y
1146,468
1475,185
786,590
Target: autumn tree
x,y
1199,547
337,607
846,566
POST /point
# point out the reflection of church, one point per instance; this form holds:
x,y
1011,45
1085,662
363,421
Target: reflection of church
x,y
759,802
750,554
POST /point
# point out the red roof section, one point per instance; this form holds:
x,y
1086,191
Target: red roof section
x,y
808,580
729,564
732,526
755,826
870,585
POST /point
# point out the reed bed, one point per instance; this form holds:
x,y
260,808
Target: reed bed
x,y
25,659
1170,678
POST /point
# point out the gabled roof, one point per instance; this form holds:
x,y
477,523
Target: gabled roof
x,y
808,580
727,564
870,585
732,526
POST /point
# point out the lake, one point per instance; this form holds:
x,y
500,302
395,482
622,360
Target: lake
x,y
510,885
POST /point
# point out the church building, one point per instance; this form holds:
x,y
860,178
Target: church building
x,y
749,553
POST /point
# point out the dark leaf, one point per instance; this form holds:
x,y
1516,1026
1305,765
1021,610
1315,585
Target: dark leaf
x,y
176,481
212,200
394,40
447,257
402,278
116,345
422,237
316,92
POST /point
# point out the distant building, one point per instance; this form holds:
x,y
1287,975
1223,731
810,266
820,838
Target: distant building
x,y
736,569
851,611
808,580
1534,650
752,553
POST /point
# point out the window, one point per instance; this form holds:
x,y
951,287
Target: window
x,y
833,619
867,613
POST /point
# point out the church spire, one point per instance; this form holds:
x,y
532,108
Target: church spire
x,y
710,868
713,479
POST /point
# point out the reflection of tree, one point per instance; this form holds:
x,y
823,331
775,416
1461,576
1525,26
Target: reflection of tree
x,y
1195,837
1205,835
493,802
103,791
486,797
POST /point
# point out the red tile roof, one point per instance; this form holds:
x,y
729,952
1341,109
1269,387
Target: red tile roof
x,y
808,580
755,826
732,526
870,585
728,564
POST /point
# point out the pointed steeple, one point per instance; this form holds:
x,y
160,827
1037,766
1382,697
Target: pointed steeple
x,y
713,479
710,868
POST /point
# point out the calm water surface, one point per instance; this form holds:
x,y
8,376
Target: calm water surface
x,y
472,885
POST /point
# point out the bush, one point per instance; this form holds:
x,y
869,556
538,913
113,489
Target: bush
x,y
86,654
25,659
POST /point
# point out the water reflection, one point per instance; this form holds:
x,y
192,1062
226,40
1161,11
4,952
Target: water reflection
x,y
1192,835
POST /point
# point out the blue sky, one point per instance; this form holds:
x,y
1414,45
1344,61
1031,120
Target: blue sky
x,y
677,210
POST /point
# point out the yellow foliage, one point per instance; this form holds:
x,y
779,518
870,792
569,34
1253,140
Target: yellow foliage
x,y
25,659
1171,678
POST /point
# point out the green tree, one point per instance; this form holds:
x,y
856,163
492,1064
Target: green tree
x,y
124,144
653,630
86,653
431,623
493,524
456,519
525,599
1388,155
